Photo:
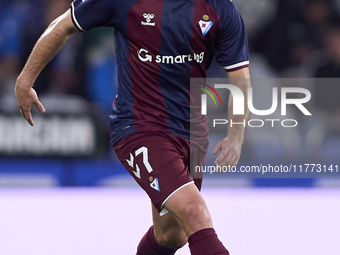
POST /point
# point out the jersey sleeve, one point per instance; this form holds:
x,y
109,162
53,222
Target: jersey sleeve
x,y
88,14
232,45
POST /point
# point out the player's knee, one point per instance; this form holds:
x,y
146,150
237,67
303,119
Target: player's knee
x,y
172,238
197,214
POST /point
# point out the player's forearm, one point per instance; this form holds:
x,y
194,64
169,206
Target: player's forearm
x,y
239,122
46,48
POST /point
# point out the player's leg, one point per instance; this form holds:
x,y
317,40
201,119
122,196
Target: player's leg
x,y
168,232
188,212
189,209
149,246
157,164
189,216
155,161
164,237
191,212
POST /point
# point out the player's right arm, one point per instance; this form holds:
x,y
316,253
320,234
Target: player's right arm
x,y
233,55
48,45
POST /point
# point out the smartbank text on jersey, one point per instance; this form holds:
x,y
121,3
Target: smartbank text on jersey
x,y
144,56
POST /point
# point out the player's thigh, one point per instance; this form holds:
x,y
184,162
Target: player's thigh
x,y
168,231
190,210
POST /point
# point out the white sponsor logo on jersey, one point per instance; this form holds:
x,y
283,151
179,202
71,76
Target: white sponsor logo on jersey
x,y
148,17
145,56
143,52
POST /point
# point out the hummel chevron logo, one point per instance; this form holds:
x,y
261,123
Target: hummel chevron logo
x,y
130,162
144,151
148,17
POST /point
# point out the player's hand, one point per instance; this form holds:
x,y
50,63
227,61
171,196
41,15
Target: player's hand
x,y
230,152
26,98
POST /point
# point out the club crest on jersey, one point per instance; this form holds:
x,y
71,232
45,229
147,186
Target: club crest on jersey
x,y
155,184
205,26
148,17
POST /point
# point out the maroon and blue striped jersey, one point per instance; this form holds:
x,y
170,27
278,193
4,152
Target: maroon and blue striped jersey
x,y
160,45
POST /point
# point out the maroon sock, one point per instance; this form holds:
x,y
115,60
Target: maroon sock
x,y
149,246
206,242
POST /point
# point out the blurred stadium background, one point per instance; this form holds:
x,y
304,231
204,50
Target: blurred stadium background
x,y
62,190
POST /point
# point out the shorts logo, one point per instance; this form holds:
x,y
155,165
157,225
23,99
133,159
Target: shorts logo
x,y
155,184
148,17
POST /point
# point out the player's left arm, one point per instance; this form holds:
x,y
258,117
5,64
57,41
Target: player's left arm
x,y
230,147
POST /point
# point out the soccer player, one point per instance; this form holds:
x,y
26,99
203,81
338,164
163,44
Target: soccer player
x,y
160,45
